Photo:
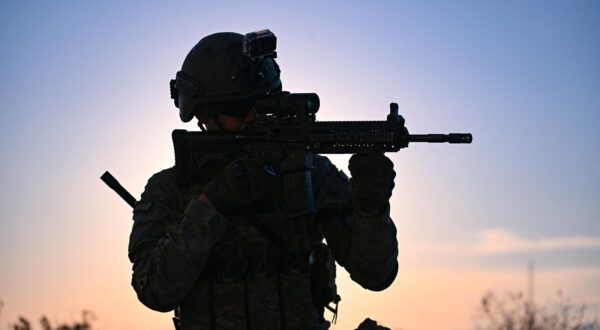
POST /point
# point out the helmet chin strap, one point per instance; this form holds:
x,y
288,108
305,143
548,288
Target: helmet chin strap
x,y
211,115
215,122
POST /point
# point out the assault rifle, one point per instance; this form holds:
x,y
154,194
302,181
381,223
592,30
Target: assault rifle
x,y
286,132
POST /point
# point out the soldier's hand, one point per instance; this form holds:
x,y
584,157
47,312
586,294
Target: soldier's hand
x,y
372,182
240,184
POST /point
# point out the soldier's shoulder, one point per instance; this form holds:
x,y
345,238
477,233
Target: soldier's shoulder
x,y
324,167
322,163
329,181
161,184
166,176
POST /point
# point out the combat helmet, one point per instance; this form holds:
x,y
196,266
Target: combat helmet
x,y
224,72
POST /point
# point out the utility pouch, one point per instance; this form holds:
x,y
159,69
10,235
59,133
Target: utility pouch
x,y
195,311
263,303
229,296
229,306
296,301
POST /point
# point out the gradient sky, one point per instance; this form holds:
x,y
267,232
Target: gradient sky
x,y
84,88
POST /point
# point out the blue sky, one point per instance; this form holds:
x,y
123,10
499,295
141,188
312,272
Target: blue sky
x,y
85,88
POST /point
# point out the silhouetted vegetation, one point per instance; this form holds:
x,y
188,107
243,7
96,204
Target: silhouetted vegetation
x,y
512,311
515,312
87,317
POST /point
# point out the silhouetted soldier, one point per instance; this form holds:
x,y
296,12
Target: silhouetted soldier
x,y
219,246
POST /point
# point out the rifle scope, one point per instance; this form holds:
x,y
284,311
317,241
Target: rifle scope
x,y
286,103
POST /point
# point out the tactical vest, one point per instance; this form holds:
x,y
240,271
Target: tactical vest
x,y
266,272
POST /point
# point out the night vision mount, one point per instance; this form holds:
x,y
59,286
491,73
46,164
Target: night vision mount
x,y
260,44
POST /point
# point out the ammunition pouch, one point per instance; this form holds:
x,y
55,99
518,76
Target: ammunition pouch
x,y
283,291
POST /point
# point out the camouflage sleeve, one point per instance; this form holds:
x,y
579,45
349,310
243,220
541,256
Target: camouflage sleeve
x,y
364,244
169,249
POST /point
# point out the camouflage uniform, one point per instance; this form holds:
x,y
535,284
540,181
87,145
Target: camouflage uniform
x,y
253,269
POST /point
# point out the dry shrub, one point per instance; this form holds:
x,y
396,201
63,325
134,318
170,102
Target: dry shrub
x,y
514,312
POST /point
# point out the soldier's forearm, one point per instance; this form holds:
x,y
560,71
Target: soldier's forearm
x,y
166,274
373,254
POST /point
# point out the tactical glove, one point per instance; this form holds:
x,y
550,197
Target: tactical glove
x,y
372,182
237,186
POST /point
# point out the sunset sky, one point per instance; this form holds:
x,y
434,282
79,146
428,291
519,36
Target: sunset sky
x,y
84,89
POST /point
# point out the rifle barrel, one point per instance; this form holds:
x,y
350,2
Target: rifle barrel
x,y
441,138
